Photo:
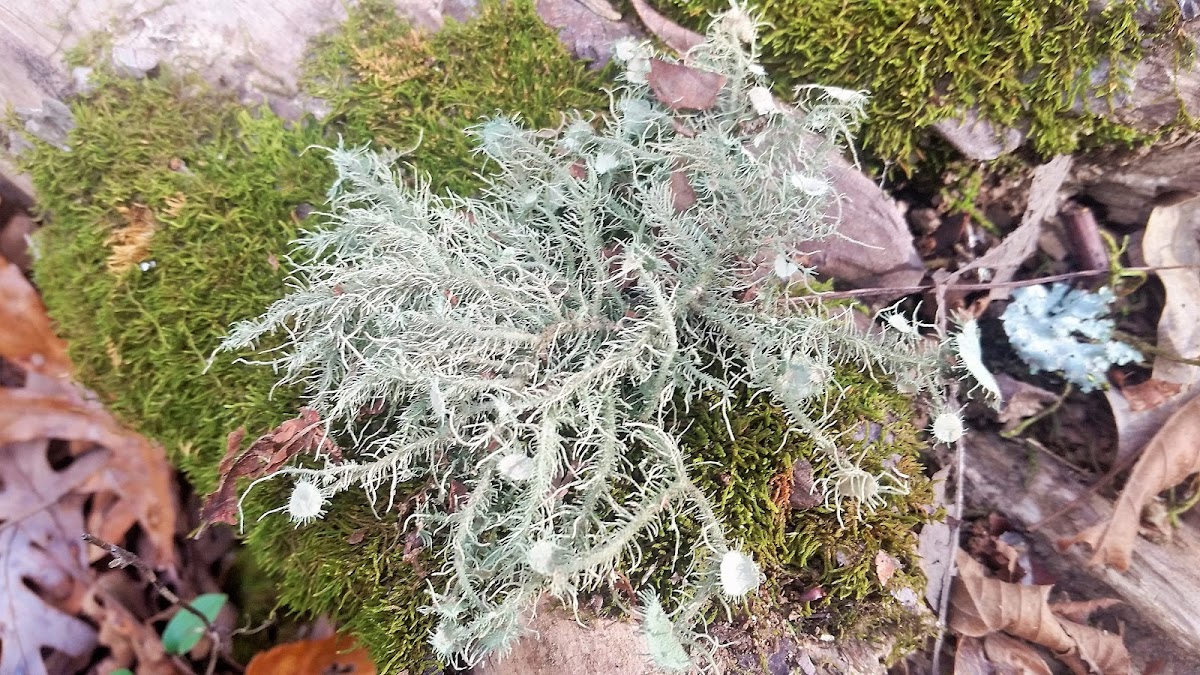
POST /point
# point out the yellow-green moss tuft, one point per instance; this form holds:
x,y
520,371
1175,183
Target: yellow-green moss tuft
x,y
801,549
396,87
1016,60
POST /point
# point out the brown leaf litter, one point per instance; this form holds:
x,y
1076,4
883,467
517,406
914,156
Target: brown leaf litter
x,y
129,244
66,467
982,607
1170,457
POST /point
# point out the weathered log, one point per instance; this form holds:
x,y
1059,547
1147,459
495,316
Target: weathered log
x,y
1163,583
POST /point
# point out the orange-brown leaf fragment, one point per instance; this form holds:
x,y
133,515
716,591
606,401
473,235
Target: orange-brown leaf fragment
x,y
1149,394
27,338
335,654
680,87
1170,457
265,456
130,243
885,567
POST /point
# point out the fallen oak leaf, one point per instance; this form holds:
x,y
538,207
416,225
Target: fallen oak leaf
x,y
43,569
1170,457
264,456
27,338
681,87
136,471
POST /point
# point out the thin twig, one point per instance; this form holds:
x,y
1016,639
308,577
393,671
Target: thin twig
x,y
1041,414
122,558
908,290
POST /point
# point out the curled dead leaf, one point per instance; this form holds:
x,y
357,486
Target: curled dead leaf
x,y
982,606
1002,650
1170,457
1172,241
265,456
672,34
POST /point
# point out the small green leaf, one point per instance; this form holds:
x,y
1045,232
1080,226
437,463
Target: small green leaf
x,y
122,671
185,629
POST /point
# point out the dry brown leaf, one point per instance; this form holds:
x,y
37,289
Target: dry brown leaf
x,y
885,567
131,643
981,606
683,196
265,456
136,472
129,244
1172,456
26,337
969,658
1172,240
1104,652
672,34
681,87
1079,610
43,567
1003,260
1021,657
1020,400
1149,394
334,654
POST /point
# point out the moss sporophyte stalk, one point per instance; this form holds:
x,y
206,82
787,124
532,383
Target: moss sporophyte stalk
x,y
535,357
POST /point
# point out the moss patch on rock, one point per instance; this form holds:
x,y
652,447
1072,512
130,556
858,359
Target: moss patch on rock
x,y
163,223
1017,61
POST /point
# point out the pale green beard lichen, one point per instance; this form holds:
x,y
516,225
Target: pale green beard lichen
x,y
528,346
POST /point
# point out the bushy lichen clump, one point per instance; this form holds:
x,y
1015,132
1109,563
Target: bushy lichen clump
x,y
524,353
165,172
1017,61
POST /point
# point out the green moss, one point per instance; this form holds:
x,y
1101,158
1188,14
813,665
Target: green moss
x,y
400,88
352,567
923,60
217,186
749,478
